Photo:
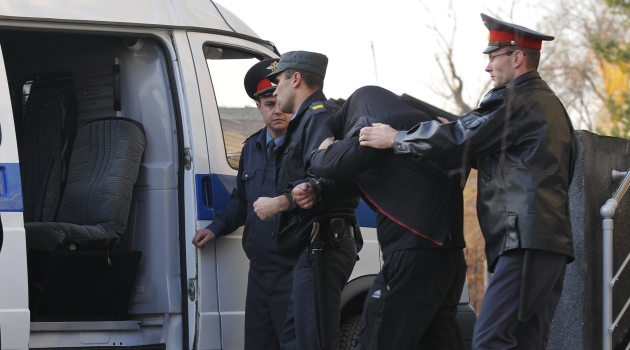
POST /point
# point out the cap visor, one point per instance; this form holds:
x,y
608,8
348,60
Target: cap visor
x,y
491,48
272,76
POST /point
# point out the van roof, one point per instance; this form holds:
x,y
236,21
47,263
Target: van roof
x,y
205,14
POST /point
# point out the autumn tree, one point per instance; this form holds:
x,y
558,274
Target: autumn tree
x,y
614,52
587,64
453,88
444,57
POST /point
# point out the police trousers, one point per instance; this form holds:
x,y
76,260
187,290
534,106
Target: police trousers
x,y
520,301
301,330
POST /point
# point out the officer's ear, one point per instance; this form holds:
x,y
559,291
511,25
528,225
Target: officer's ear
x,y
296,79
519,58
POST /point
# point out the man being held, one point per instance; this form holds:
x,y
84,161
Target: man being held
x,y
326,233
270,271
522,141
412,303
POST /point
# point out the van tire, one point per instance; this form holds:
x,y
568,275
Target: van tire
x,y
349,336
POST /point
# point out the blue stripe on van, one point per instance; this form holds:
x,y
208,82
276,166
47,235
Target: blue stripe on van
x,y
10,188
213,194
365,215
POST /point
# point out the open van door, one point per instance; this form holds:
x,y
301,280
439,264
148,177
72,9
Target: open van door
x,y
229,117
14,312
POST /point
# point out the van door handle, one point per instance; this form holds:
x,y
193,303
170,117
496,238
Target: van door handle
x,y
203,188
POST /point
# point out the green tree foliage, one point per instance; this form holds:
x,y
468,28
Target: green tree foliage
x,y
614,51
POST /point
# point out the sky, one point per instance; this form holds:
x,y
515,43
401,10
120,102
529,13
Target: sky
x,y
386,43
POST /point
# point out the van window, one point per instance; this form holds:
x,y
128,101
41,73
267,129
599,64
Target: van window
x,y
238,113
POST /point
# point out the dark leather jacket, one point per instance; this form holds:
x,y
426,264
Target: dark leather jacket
x,y
305,133
522,140
424,197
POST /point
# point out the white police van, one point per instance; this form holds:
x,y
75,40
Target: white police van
x,y
125,119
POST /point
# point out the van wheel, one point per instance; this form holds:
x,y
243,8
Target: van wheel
x,y
349,337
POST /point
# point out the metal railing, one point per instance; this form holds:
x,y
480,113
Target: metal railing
x,y
608,211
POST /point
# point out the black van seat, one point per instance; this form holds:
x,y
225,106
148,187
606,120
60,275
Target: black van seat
x,y
94,208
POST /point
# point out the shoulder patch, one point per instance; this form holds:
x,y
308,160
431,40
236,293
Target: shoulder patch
x,y
317,108
323,106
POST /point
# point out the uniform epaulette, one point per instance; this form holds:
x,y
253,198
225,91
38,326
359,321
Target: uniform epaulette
x,y
254,134
320,107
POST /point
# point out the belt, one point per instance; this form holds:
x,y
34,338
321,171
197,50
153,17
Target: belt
x,y
348,231
331,238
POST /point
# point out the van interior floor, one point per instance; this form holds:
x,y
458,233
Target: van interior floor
x,y
139,347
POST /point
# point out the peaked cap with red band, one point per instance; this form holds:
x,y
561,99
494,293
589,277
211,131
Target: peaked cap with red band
x,y
256,82
508,34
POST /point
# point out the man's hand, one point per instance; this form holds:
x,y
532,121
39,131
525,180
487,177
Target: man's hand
x,y
202,237
327,142
443,120
303,195
266,207
377,136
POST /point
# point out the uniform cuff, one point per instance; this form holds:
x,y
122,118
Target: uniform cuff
x,y
399,145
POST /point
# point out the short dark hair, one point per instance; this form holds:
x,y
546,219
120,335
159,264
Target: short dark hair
x,y
311,80
533,57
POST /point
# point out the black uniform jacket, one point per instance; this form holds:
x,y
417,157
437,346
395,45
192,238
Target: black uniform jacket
x,y
305,133
522,140
256,178
425,197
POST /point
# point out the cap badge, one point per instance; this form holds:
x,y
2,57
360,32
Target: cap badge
x,y
274,66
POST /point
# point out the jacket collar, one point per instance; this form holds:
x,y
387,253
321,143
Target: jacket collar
x,y
523,78
517,81
261,140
